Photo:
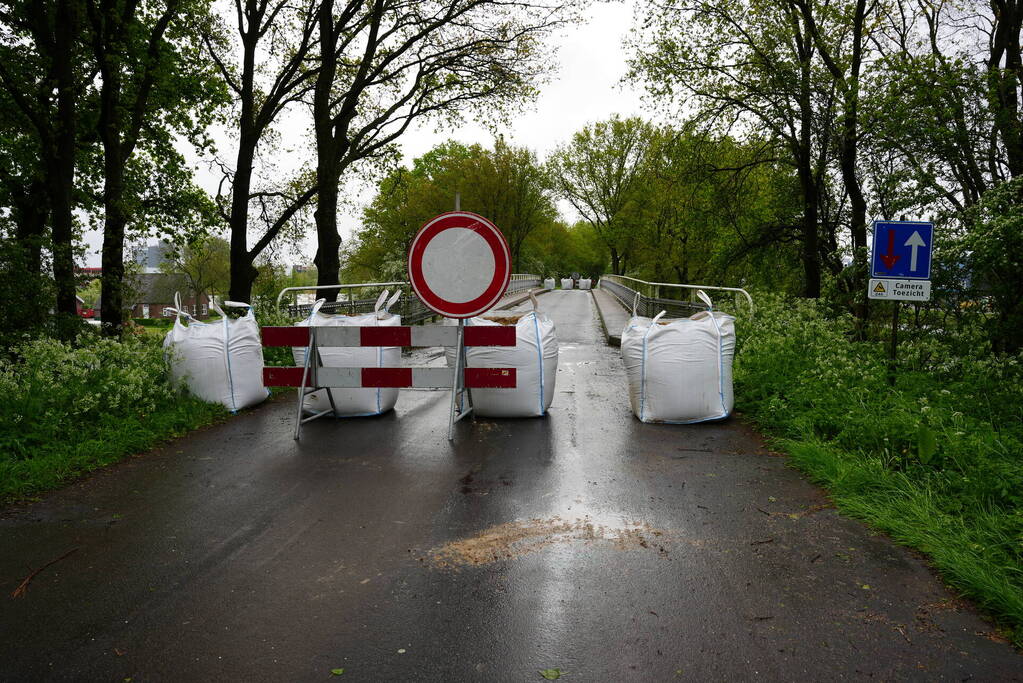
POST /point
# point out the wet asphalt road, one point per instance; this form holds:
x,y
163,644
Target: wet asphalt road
x,y
657,553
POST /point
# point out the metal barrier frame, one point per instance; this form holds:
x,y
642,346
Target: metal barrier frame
x,y
518,281
348,286
316,377
654,290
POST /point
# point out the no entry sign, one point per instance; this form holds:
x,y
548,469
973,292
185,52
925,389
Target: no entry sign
x,y
459,264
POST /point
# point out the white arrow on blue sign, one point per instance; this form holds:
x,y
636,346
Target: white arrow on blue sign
x,y
902,249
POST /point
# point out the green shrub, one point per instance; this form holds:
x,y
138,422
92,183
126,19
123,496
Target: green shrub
x,y
65,410
268,315
935,460
163,323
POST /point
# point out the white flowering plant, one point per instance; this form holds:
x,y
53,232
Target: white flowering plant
x,y
67,409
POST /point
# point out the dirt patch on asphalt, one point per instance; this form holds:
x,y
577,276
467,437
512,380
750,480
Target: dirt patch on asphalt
x,y
521,537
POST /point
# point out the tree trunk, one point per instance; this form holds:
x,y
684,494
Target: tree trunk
x,y
849,157
615,261
328,240
30,207
115,219
243,273
61,166
1005,80
112,282
858,212
328,173
810,238
808,185
31,212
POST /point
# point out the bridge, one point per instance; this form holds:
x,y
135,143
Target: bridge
x,y
583,544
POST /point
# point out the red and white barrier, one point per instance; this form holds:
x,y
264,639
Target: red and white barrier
x,y
425,335
313,376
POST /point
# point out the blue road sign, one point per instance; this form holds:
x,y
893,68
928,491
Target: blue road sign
x,y
902,249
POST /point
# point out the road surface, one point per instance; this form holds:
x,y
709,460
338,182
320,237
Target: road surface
x,y
584,541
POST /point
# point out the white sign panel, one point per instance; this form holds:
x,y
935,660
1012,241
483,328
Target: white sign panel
x,y
899,290
459,264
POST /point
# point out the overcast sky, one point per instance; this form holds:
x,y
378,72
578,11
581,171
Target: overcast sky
x,y
584,88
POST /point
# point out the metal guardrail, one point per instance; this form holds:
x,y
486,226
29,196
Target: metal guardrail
x,y
520,281
352,301
650,298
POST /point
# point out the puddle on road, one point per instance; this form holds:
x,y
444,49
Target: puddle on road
x,y
521,537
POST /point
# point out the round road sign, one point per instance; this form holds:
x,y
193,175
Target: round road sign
x,y
459,264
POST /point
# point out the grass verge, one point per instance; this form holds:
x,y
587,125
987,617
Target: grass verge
x,y
935,462
62,460
68,410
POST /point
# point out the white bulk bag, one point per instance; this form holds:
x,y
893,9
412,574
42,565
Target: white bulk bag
x,y
220,362
681,371
548,283
566,283
353,402
585,283
535,359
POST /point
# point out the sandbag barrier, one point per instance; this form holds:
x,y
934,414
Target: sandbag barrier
x,y
680,371
219,361
647,298
354,402
534,356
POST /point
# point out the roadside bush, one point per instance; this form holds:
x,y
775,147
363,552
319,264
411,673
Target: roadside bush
x,y
936,460
65,409
269,315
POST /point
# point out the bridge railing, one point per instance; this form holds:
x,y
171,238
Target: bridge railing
x,y
520,281
650,298
360,297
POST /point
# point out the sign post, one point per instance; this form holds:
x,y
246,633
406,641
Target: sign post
x,y
900,268
459,265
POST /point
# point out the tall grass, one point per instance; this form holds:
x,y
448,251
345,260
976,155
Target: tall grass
x,y
935,461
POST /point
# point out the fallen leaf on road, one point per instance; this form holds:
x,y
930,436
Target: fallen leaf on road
x,y
336,672
551,674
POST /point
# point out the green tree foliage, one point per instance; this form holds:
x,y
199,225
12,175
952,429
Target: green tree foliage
x,y
751,65
600,172
992,249
506,184
558,249
682,205
206,264
97,96
90,293
881,109
263,51
714,209
153,85
388,63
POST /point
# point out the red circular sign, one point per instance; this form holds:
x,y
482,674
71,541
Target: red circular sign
x,y
459,264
